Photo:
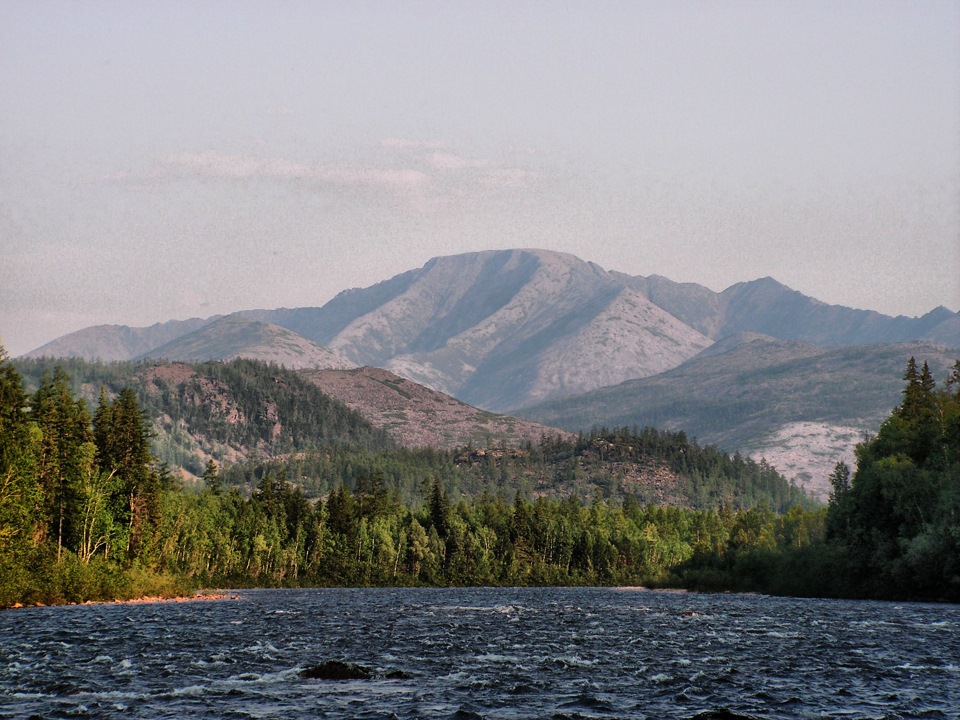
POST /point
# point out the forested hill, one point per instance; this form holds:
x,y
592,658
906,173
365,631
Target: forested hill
x,y
649,466
225,411
256,420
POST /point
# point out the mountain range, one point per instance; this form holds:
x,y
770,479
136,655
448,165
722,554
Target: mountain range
x,y
516,330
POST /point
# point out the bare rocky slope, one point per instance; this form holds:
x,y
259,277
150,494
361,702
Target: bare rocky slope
x,y
416,416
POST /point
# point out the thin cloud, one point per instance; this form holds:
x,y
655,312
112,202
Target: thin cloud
x,y
446,164
244,167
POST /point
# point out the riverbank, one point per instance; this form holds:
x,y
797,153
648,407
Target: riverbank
x,y
142,600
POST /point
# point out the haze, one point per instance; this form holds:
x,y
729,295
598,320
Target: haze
x,y
171,160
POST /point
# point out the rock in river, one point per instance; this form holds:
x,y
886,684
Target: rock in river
x,y
337,670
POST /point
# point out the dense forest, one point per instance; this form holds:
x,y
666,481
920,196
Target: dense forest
x,y
87,512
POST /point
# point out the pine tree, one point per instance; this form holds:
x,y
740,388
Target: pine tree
x,y
839,481
439,510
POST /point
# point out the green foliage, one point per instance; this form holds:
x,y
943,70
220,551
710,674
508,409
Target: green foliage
x,y
897,526
81,504
645,466
87,513
20,492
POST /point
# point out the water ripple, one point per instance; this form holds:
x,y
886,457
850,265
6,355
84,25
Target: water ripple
x,y
502,654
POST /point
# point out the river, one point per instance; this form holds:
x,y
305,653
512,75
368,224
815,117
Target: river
x,y
483,653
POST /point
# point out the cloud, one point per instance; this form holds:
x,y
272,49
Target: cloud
x,y
422,175
485,172
244,167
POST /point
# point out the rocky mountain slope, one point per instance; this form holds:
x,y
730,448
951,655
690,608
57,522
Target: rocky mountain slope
x,y
416,416
799,405
507,329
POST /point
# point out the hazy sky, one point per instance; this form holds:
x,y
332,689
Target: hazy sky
x,y
179,159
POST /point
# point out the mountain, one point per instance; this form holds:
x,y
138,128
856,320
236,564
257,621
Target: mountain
x,y
508,329
416,416
117,342
502,328
799,405
768,307
235,336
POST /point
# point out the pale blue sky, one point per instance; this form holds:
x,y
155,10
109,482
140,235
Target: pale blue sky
x,y
180,159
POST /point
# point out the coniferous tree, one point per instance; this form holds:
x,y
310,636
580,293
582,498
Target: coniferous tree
x,y
65,426
211,478
897,523
122,435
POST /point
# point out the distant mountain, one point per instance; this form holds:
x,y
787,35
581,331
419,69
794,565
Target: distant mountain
x,y
502,328
117,342
508,329
235,336
416,416
801,406
766,306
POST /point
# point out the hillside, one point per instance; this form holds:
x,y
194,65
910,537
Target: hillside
x,y
234,336
110,343
230,412
415,416
800,406
506,329
650,467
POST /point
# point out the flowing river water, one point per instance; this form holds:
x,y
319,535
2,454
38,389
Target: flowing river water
x,y
483,653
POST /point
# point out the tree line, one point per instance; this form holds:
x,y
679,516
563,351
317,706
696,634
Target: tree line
x,y
86,512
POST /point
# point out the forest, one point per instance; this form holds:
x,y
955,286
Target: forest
x,y
87,512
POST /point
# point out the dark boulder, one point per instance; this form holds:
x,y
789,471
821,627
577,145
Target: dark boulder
x,y
337,670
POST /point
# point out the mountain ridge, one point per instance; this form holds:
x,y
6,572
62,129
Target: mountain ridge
x,y
506,329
